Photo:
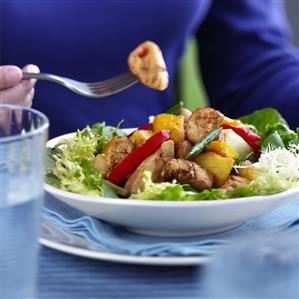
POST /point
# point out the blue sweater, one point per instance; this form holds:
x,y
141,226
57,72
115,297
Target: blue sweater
x,y
246,58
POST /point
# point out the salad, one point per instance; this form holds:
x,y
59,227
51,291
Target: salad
x,y
180,155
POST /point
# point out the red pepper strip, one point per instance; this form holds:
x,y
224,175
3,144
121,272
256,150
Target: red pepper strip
x,y
250,137
130,162
148,126
143,53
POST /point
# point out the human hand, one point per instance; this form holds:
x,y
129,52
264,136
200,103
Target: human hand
x,y
14,90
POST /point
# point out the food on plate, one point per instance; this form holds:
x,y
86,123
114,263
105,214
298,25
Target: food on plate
x,y
182,149
248,171
155,164
188,172
220,167
147,63
180,155
233,182
131,161
140,136
173,123
202,122
222,148
116,150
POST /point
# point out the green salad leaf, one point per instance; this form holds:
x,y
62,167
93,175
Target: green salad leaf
x,y
108,191
159,191
111,189
273,141
212,194
51,179
262,119
50,161
272,128
243,192
177,192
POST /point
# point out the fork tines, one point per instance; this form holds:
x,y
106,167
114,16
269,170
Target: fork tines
x,y
116,83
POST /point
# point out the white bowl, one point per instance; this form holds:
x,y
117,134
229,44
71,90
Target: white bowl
x,y
171,218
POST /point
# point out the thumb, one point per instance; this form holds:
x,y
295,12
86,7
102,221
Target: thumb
x,y
9,76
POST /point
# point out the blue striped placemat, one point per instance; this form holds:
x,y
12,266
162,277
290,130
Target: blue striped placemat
x,y
63,276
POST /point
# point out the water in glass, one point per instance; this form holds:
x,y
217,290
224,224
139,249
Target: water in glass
x,y
22,141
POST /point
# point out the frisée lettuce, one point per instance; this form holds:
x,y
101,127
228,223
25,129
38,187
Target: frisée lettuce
x,y
70,162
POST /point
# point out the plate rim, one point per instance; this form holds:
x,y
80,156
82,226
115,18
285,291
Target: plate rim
x,y
125,259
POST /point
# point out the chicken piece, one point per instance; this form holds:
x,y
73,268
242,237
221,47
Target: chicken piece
x,y
115,150
188,172
182,149
147,63
202,122
233,182
155,163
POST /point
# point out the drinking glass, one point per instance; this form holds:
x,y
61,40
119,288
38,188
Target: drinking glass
x,y
259,268
23,133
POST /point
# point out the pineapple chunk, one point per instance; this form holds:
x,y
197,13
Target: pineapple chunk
x,y
230,121
250,172
219,166
174,124
223,149
140,136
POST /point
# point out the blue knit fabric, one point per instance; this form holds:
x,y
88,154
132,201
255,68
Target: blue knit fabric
x,y
247,60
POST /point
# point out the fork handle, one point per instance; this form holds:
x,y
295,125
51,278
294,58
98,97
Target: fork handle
x,y
41,76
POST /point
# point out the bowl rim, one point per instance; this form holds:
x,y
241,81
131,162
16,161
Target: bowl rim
x,y
161,203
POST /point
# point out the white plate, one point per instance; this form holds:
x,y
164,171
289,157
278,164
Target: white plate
x,y
57,239
172,218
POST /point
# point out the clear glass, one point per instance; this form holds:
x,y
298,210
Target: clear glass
x,y
23,134
259,268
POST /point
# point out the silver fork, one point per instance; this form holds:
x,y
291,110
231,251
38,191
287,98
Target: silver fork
x,y
99,89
